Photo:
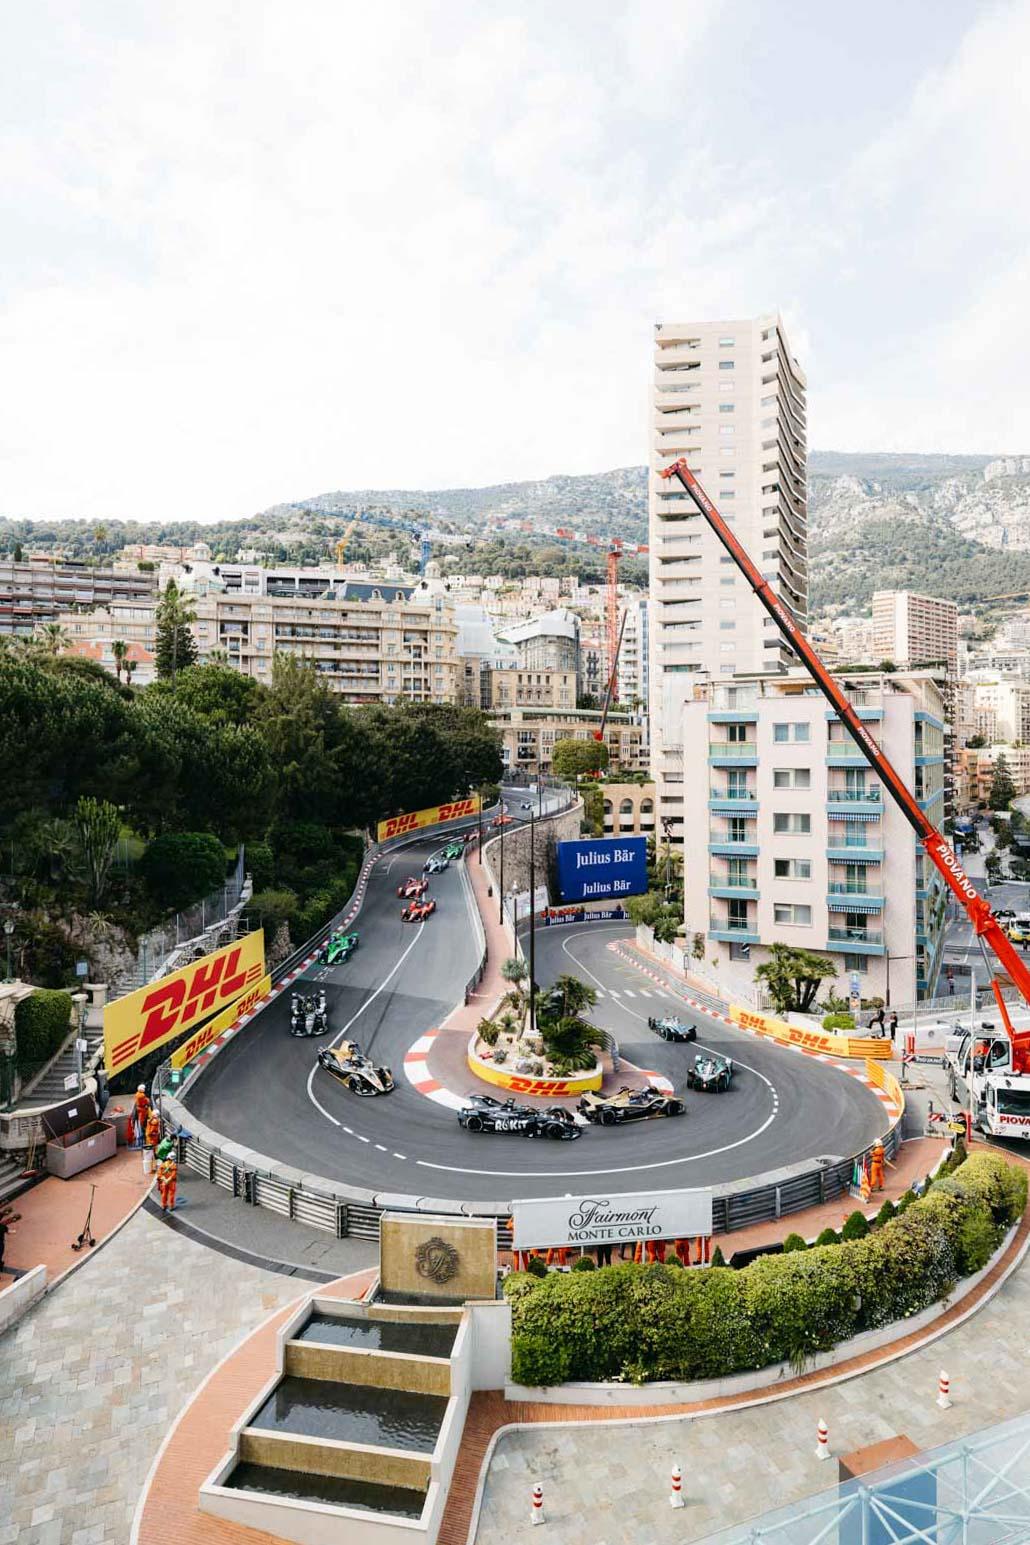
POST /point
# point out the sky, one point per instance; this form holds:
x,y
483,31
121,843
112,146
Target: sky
x,y
251,253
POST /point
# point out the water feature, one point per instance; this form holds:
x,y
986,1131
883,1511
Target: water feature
x,y
353,1413
380,1335
335,1491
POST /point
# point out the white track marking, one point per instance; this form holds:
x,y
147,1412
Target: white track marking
x,y
341,1033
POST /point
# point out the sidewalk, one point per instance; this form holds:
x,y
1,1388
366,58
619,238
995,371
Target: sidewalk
x,y
53,1214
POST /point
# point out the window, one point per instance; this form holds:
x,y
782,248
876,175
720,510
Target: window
x,y
786,821
727,627
792,868
725,364
726,343
792,778
728,603
794,731
726,648
727,407
726,430
726,582
792,915
737,829
727,474
728,453
727,386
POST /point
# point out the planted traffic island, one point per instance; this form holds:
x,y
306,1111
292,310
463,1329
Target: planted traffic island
x,y
709,1332
557,1058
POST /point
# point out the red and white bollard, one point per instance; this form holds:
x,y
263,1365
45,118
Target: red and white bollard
x,y
944,1391
676,1494
537,1514
822,1447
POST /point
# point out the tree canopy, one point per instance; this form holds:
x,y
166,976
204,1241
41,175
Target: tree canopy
x,y
793,976
572,758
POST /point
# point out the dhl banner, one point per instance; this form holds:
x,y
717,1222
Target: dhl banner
x,y
825,1042
221,1022
144,1020
416,819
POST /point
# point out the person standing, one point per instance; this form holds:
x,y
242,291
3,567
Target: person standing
x,y
878,1021
7,1219
893,1027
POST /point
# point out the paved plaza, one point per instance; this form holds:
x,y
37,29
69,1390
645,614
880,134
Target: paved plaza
x,y
91,1379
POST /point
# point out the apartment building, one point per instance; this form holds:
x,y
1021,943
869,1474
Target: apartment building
x,y
93,635
634,656
976,767
549,642
628,809
913,629
731,398
38,590
368,651
793,830
1001,710
528,736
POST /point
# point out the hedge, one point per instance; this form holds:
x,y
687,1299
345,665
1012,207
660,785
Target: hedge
x,y
41,1023
181,867
838,1021
643,1322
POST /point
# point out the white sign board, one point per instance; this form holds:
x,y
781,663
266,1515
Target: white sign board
x,y
602,1219
71,1080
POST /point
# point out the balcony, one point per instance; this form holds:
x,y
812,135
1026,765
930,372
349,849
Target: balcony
x,y
855,855
854,801
733,716
741,890
725,848
727,931
723,753
861,940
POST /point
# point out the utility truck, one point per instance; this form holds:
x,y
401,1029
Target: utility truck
x,y
979,1063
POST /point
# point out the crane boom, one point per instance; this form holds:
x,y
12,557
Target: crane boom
x,y
986,927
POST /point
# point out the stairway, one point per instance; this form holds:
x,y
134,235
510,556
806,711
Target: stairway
x,y
12,1183
50,1089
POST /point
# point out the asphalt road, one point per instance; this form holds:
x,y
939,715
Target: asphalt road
x,y
265,1090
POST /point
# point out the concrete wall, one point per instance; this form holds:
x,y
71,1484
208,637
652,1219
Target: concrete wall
x,y
474,1240
21,1295
382,1370
560,828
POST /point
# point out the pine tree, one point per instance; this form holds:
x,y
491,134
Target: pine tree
x,y
176,647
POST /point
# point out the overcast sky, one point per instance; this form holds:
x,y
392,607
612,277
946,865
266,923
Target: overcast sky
x,y
254,251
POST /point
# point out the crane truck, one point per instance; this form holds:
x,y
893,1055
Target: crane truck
x,y
1000,1063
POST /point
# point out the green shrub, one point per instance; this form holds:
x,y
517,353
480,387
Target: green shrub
x,y
181,867
838,1021
885,1214
718,1259
829,1236
656,1322
488,1031
856,1226
260,861
41,1023
536,1266
794,1242
905,1200
274,907
585,1263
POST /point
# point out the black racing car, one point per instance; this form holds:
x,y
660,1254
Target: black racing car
x,y
672,1029
308,1014
710,1072
485,1114
629,1105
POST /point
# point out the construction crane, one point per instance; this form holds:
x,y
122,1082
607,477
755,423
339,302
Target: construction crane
x,y
613,679
616,549
341,546
987,929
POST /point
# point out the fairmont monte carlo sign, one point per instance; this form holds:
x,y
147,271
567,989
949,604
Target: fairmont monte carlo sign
x,y
602,1219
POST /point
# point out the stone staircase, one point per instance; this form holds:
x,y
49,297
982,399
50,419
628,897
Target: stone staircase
x,y
49,1088
12,1181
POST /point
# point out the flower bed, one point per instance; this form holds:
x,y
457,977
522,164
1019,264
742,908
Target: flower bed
x,y
643,1323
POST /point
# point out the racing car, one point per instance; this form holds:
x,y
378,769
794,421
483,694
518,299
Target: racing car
x,y
454,850
629,1105
417,911
354,1070
672,1029
710,1072
308,1014
413,886
485,1114
437,864
339,947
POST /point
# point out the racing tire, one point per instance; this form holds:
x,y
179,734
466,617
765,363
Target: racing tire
x,y
608,1118
674,1108
359,1087
554,1131
474,1123
690,1081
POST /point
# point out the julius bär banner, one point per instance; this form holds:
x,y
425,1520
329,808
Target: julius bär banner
x,y
602,1219
221,1022
397,825
144,1020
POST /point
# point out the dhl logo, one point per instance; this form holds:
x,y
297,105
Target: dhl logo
x,y
145,1020
397,825
536,1086
218,1026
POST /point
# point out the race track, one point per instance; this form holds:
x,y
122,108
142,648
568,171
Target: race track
x,y
264,1090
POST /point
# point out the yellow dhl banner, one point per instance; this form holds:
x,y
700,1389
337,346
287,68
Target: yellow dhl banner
x,y
221,1022
144,1020
824,1041
416,819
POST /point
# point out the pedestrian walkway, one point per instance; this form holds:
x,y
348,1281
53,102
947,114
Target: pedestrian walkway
x,y
53,1213
92,1378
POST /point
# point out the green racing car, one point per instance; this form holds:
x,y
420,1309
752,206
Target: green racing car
x,y
339,947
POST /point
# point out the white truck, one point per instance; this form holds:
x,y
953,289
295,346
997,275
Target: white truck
x,y
979,1066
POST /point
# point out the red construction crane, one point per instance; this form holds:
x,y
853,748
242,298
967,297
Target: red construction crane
x,y
986,927
616,549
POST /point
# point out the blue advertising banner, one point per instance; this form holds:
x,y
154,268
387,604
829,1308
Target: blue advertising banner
x,y
602,867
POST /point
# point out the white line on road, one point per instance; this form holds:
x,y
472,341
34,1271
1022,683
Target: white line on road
x,y
341,1033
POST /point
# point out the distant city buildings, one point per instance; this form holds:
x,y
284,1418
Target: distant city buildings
x,y
38,590
730,397
915,630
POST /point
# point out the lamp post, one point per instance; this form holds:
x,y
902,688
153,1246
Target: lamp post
x,y
500,886
79,1000
888,958
8,931
667,829
532,923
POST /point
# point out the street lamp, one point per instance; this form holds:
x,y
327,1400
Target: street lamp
x,y
9,930
532,923
79,1000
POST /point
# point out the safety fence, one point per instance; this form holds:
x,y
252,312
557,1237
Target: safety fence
x,y
825,1042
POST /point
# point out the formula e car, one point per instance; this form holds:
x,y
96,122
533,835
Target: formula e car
x,y
354,1070
437,864
308,1014
417,911
485,1114
710,1072
629,1105
413,886
339,947
672,1029
454,850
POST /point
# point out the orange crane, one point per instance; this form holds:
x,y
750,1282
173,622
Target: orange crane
x,y
616,549
989,933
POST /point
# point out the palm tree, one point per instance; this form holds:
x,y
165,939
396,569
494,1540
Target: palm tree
x,y
120,651
568,998
130,666
52,637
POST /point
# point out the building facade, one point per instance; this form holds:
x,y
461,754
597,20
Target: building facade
x,y
977,767
93,635
37,591
635,654
913,629
1001,710
792,848
628,809
528,736
731,398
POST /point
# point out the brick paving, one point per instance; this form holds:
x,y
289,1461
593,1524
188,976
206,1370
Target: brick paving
x,y
53,1213
92,1377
